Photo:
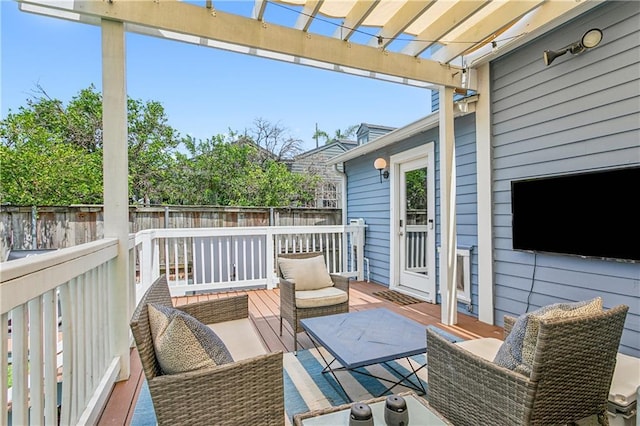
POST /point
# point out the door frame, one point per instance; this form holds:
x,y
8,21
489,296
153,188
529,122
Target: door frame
x,y
427,151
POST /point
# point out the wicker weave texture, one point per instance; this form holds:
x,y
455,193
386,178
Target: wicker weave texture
x,y
292,314
247,392
573,367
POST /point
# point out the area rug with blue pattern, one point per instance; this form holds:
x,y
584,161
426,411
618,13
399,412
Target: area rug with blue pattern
x,y
306,388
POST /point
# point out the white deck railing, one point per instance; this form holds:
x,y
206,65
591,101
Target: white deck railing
x,y
208,259
55,321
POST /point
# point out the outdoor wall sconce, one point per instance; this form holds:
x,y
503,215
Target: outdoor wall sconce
x,y
381,164
590,39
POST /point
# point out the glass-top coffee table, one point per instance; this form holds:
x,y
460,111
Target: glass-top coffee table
x,y
420,413
362,338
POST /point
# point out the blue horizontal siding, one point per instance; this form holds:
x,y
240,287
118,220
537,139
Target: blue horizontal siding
x,y
580,113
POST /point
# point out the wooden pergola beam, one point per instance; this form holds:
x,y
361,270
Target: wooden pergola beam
x,y
195,24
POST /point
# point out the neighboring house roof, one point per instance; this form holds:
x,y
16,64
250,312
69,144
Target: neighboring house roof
x,y
375,126
245,141
430,121
392,137
343,144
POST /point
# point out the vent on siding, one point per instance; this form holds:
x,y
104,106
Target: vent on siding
x,y
463,278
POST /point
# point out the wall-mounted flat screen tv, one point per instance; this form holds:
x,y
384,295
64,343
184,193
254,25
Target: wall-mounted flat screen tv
x,y
593,214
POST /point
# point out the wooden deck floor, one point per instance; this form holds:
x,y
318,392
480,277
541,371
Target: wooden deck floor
x,y
264,312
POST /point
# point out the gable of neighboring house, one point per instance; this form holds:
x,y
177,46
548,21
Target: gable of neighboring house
x,y
369,132
581,113
329,193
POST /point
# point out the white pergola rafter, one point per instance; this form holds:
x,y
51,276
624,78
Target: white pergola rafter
x,y
499,19
355,18
259,6
309,12
404,17
448,21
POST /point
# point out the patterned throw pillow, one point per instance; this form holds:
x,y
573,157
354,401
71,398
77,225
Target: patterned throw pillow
x,y
308,274
182,343
517,351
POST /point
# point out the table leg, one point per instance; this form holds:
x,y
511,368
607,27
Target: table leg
x,y
328,369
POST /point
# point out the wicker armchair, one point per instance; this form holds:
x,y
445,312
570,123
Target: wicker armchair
x,y
292,314
572,371
248,391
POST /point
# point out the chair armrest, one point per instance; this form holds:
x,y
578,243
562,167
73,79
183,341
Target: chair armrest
x,y
340,282
467,389
250,391
218,310
287,292
509,322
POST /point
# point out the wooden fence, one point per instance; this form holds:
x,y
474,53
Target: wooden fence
x,y
42,228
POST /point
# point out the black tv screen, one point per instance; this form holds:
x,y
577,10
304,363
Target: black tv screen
x,y
594,214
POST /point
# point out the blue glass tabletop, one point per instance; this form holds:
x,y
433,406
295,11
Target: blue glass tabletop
x,y
368,337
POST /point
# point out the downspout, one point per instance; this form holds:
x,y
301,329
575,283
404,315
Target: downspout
x,y
343,191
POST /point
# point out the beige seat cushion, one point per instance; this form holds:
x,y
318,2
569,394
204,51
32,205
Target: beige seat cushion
x,y
240,338
327,296
307,274
485,348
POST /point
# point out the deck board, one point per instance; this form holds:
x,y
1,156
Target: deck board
x,y
264,308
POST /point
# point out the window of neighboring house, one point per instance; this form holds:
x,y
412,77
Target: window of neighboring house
x,y
328,196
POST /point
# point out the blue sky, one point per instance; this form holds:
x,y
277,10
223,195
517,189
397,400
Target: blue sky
x,y
204,91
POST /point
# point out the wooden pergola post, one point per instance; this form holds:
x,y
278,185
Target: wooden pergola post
x,y
448,240
116,192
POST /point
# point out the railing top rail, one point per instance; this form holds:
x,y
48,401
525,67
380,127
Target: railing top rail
x,y
240,230
23,279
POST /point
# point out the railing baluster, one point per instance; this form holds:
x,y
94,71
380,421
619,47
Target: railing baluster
x,y
185,257
35,361
19,362
340,254
245,266
253,258
50,372
90,297
334,252
229,263
220,270
67,367
78,344
167,258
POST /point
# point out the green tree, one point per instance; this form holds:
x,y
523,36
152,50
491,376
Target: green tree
x,y
51,154
46,172
45,140
234,174
152,143
337,135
